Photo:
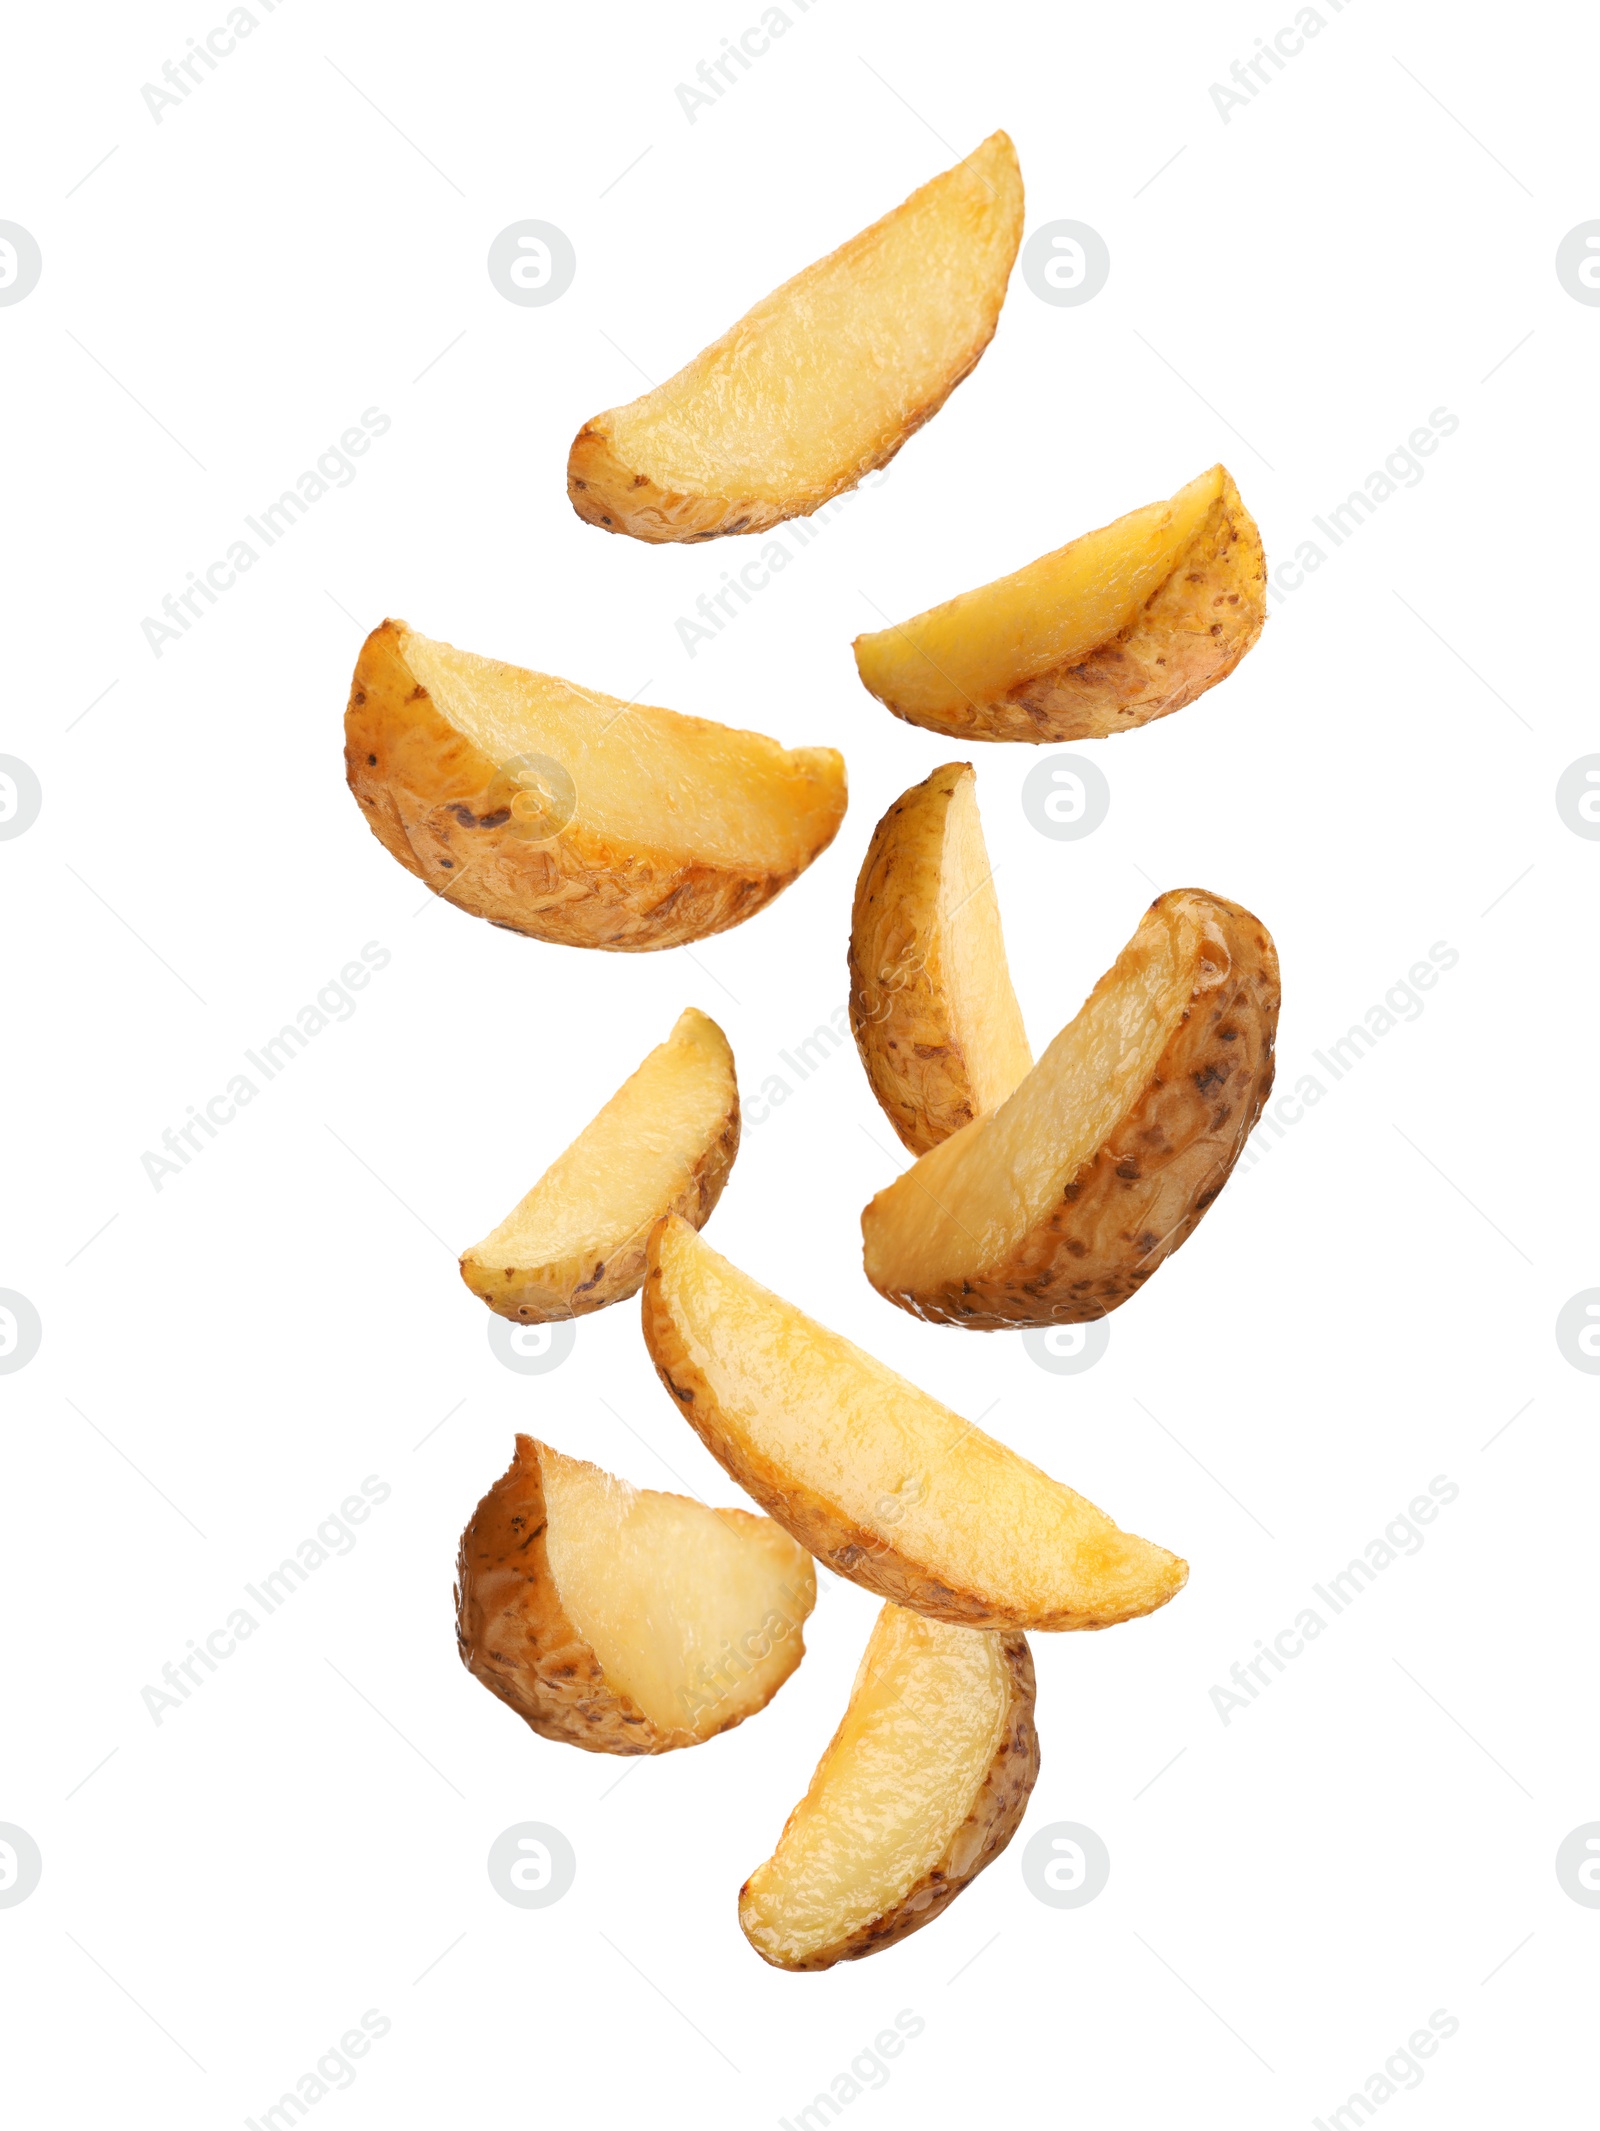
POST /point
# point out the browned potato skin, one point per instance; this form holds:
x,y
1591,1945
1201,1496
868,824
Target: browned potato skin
x,y
1143,1192
995,1817
574,890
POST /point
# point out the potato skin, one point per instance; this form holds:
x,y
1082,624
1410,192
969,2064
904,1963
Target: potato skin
x,y
429,797
995,1816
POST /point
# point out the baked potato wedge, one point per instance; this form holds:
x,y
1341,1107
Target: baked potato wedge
x,y
935,1019
823,381
621,1620
882,1483
567,815
664,1143
923,1784
1118,627
1059,1205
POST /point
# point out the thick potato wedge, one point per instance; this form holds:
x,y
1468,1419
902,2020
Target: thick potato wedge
x,y
879,1481
823,381
1061,1204
664,1143
923,1784
1118,627
935,1019
568,815
621,1620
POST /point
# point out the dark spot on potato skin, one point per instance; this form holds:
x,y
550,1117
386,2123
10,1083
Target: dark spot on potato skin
x,y
372,762
1209,1077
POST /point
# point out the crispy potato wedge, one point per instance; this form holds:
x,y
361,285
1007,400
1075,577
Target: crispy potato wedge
x,y
621,1620
567,815
935,1019
1118,627
882,1483
1059,1205
923,1784
823,381
664,1143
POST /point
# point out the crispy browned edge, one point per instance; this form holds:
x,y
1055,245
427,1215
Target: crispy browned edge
x,y
1191,633
514,1636
435,802
995,1815
1143,1191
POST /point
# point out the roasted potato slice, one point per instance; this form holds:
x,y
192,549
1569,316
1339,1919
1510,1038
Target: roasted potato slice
x,y
935,1019
823,381
923,1784
664,1143
621,1620
1118,627
881,1482
1059,1205
567,815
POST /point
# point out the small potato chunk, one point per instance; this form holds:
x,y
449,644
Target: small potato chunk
x,y
922,1786
935,1019
621,1620
874,1477
1059,1205
823,381
664,1143
1120,626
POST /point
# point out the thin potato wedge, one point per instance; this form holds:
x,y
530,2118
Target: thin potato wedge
x,y
1120,626
923,1784
882,1483
935,1019
621,1620
664,1143
567,815
823,381
1060,1204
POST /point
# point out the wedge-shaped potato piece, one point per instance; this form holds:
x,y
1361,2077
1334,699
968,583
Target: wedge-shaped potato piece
x,y
1061,1203
923,1784
823,381
880,1481
621,1620
567,815
664,1143
1118,627
935,1019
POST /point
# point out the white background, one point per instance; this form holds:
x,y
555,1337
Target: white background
x,y
305,1838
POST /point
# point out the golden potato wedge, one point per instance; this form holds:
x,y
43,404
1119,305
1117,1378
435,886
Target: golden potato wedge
x,y
664,1143
567,815
1118,627
823,381
621,1620
879,1481
935,1019
1060,1204
923,1784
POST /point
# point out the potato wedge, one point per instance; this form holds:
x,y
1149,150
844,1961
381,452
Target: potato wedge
x,y
1060,1204
567,815
879,1481
1120,626
935,1019
621,1620
664,1143
823,381
923,1784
